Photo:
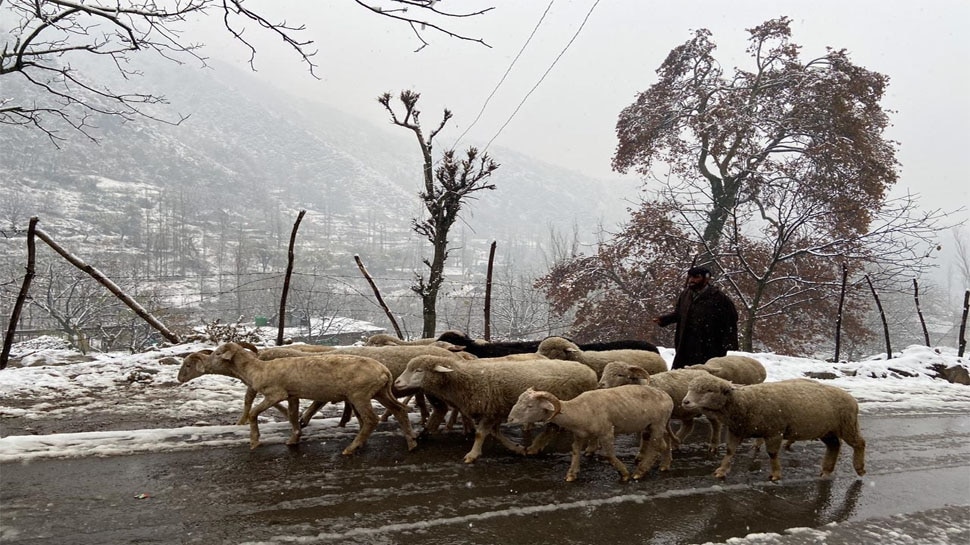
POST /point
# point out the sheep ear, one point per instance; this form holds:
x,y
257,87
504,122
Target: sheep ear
x,y
442,369
571,349
638,372
547,405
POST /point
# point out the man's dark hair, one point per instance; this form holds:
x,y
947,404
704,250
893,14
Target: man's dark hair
x,y
698,271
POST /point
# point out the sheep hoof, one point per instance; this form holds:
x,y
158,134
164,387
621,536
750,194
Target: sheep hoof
x,y
293,441
470,459
720,475
253,445
570,478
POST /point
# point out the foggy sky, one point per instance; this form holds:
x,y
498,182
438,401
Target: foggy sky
x,y
570,117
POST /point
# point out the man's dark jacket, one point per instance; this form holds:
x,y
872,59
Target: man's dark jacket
x,y
707,326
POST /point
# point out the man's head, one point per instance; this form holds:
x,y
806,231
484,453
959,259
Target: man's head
x,y
698,277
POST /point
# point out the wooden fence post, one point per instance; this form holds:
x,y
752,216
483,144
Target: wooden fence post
x,y
286,279
488,293
885,324
919,312
21,297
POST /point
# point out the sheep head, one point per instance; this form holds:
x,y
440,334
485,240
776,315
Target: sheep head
x,y
193,366
707,392
419,368
534,406
618,373
558,348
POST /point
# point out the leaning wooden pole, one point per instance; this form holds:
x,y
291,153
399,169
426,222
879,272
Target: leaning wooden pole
x,y
377,294
286,280
22,296
111,286
488,293
885,324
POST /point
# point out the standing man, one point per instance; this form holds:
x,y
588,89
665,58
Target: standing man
x,y
706,318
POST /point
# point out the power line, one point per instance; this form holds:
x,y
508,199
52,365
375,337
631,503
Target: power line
x,y
561,53
505,75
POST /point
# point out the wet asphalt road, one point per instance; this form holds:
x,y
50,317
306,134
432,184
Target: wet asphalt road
x,y
919,465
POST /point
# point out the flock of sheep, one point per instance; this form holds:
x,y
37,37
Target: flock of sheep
x,y
595,391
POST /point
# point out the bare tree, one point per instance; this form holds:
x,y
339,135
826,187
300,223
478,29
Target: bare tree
x,y
46,41
447,189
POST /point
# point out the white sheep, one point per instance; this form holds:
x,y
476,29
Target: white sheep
x,y
485,391
795,409
395,358
735,368
193,367
355,380
674,383
560,348
597,416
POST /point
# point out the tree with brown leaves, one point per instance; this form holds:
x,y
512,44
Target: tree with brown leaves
x,y
774,176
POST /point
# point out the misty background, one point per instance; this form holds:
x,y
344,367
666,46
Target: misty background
x,y
196,217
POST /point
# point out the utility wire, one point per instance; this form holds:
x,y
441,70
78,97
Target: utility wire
x,y
505,75
561,53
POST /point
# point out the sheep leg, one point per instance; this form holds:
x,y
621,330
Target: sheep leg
x,y
368,423
345,415
715,439
858,445
422,404
653,445
578,444
543,439
483,428
439,409
269,399
832,447
247,406
732,446
686,426
773,446
310,411
607,443
452,419
400,412
293,413
506,442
